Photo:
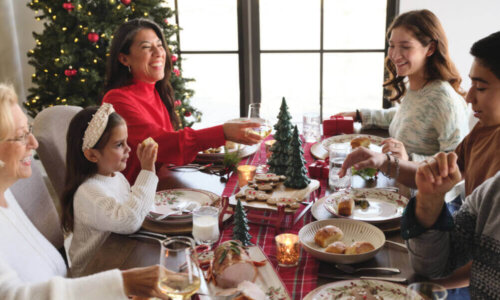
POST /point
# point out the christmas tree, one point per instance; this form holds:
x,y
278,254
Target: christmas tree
x,y
241,228
70,54
279,158
296,173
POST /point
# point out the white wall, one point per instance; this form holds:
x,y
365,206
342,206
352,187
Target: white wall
x,y
465,22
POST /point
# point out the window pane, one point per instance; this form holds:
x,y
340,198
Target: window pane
x,y
293,76
208,25
217,90
354,24
352,81
289,24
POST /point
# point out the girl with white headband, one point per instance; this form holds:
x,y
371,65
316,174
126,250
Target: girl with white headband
x,y
97,199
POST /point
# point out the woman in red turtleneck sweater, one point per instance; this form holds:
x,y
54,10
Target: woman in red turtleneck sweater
x,y
138,86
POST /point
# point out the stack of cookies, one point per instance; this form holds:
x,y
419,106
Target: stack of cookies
x,y
261,189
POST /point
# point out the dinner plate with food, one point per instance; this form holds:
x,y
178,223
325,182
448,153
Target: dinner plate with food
x,y
232,269
267,191
369,205
360,289
177,205
341,240
217,154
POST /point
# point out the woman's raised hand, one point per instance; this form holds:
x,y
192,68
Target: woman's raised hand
x,y
396,147
147,155
347,114
362,158
239,132
143,282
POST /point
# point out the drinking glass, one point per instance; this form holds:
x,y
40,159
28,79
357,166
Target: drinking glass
x,y
337,154
311,127
181,277
258,113
426,291
206,225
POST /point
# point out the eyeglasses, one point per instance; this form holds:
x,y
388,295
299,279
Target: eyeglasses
x,y
23,139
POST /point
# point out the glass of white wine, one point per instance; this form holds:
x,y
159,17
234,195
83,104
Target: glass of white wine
x,y
181,277
258,113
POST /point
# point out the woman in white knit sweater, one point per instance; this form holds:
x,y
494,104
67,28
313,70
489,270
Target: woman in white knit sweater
x,y
30,266
97,199
432,116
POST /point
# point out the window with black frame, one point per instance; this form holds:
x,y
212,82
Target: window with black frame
x,y
325,56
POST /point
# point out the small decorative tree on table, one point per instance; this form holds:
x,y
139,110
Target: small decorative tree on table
x,y
241,228
296,173
279,158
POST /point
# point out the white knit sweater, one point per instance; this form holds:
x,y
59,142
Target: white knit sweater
x,y
105,204
428,121
31,267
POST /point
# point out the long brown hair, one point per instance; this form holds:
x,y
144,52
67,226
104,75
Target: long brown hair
x,y
79,168
426,28
118,75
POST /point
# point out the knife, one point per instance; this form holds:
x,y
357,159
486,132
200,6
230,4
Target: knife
x,y
341,277
303,212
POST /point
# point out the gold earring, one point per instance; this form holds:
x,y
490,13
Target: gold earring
x,y
129,69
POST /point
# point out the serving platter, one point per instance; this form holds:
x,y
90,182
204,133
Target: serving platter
x,y
384,206
354,231
267,279
348,289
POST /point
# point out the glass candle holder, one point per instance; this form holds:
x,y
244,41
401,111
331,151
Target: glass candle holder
x,y
245,174
287,249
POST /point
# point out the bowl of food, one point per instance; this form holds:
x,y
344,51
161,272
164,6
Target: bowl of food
x,y
343,241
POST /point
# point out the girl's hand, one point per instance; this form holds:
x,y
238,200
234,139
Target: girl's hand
x,y
239,132
396,147
147,155
143,282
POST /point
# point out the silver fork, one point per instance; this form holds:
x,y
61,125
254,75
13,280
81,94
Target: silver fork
x,y
190,207
175,210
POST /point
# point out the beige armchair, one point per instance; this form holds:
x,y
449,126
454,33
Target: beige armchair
x,y
50,128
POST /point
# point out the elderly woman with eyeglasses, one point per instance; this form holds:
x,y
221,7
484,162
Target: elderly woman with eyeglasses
x,y
30,266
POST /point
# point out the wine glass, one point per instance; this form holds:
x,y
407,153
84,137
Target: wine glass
x,y
181,277
258,113
426,290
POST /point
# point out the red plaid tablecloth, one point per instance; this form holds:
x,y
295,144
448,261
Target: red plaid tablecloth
x,y
298,280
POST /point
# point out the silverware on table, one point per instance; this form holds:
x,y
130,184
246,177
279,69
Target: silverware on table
x,y
351,270
175,211
341,277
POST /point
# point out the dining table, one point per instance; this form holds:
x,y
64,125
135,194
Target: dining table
x,y
123,251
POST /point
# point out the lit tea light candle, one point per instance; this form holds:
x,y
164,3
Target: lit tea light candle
x,y
245,174
287,249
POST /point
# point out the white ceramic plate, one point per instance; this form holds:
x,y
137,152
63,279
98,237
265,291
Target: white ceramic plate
x,y
346,139
278,192
319,212
344,290
167,199
267,279
245,151
384,205
354,231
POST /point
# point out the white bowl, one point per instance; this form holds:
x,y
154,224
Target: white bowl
x,y
354,231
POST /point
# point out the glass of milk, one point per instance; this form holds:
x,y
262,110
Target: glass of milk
x,y
206,225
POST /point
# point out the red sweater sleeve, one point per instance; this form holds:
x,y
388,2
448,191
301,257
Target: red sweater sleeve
x,y
176,147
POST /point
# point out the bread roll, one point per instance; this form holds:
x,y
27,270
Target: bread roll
x,y
359,248
360,142
148,141
337,247
345,206
328,235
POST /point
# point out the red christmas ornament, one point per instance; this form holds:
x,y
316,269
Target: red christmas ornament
x,y
126,2
177,72
166,21
93,37
70,72
174,58
68,6
187,114
177,103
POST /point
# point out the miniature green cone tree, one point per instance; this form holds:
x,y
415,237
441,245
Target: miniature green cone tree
x,y
279,158
241,228
296,173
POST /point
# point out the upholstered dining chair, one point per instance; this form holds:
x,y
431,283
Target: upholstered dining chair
x,y
50,128
35,200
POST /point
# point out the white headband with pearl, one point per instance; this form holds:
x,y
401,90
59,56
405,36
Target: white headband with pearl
x,y
97,125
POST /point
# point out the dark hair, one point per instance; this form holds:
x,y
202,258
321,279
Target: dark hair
x,y
79,168
118,75
487,51
426,28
